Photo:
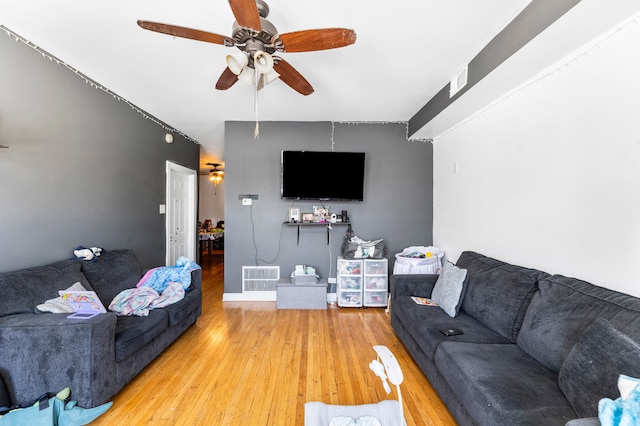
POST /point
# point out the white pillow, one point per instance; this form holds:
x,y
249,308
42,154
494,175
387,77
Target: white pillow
x,y
449,288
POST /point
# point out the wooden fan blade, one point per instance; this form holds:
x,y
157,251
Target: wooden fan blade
x,y
226,80
246,13
292,77
311,40
186,33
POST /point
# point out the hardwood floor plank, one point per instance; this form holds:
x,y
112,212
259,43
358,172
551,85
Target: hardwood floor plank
x,y
247,363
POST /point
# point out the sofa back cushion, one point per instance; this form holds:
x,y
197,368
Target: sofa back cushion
x,y
112,272
594,364
25,289
497,293
563,308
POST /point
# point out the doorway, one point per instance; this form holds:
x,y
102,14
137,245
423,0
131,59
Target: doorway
x,y
211,219
181,220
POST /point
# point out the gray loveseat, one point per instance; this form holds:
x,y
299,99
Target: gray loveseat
x,y
96,357
536,349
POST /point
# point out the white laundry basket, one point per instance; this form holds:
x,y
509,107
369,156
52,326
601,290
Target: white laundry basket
x,y
387,413
408,261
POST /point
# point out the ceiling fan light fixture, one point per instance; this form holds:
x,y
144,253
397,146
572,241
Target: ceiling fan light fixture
x,y
270,76
238,62
263,62
247,76
215,175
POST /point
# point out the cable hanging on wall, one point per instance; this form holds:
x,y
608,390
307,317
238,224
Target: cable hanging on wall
x,y
94,84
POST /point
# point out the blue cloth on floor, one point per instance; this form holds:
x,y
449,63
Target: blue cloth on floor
x,y
57,413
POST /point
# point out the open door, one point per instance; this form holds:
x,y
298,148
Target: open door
x,y
181,220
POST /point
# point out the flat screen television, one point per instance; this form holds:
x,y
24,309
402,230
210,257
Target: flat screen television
x,y
322,175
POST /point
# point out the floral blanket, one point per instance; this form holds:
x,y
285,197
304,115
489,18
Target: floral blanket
x,y
138,301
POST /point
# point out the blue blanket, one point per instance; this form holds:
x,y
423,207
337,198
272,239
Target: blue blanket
x,y
624,411
159,278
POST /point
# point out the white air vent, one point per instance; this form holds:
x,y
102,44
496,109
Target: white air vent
x,y
259,282
458,81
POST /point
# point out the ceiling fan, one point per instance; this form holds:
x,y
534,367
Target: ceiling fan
x,y
258,40
215,175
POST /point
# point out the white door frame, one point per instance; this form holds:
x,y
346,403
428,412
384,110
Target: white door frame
x,y
192,176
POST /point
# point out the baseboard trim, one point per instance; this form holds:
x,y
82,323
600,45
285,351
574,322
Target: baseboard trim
x,y
252,296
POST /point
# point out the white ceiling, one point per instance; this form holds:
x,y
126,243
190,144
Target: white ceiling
x,y
406,51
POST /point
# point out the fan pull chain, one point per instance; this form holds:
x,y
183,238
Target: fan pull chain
x,y
256,132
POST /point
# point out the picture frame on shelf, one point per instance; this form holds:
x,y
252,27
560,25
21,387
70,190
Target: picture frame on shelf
x,y
294,214
320,213
307,217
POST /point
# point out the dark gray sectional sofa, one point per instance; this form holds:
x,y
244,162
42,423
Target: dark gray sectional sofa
x,y
97,357
536,349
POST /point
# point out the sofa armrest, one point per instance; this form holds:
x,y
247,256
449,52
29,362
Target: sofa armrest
x,y
48,352
196,278
413,285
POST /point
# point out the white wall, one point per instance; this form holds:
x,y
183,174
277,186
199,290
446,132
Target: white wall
x,y
550,176
211,201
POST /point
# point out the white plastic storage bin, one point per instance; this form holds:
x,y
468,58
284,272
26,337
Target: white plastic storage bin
x,y
349,282
376,282
407,263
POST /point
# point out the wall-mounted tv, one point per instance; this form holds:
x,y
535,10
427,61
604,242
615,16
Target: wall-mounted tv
x,y
322,175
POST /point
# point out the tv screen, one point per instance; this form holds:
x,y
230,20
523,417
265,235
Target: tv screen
x,y
322,175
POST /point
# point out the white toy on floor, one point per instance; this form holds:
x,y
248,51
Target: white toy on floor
x,y
384,413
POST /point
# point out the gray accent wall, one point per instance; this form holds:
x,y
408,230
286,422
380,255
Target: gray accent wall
x,y
397,202
82,167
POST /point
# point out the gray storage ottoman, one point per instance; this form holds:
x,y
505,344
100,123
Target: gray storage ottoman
x,y
301,296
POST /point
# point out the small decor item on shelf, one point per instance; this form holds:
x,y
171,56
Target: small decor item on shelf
x,y
307,217
320,213
294,214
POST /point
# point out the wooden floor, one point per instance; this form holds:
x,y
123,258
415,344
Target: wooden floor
x,y
247,363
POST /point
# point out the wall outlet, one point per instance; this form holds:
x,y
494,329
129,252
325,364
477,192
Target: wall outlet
x,y
247,201
163,209
332,280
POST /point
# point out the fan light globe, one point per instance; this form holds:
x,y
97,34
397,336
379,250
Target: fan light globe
x,y
270,76
247,76
263,62
237,63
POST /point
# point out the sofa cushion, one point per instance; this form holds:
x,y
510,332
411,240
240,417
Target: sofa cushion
x,y
133,333
498,294
112,272
592,368
502,385
449,289
563,308
180,310
424,323
25,289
